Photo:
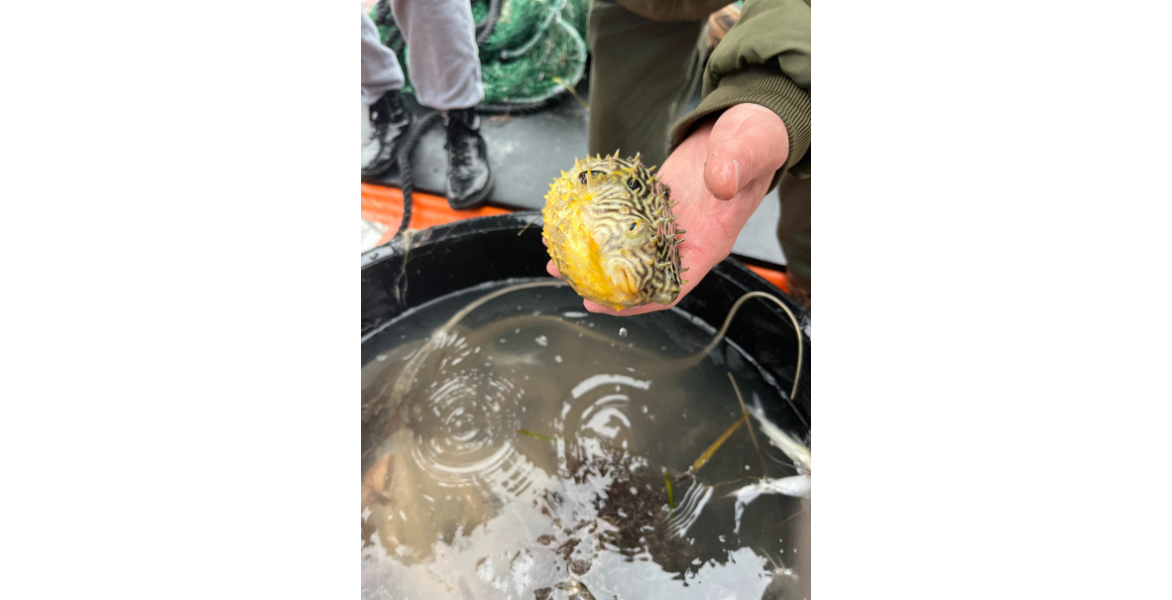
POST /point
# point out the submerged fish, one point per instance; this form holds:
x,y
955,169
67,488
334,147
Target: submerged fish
x,y
611,233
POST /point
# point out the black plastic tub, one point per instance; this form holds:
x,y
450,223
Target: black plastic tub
x,y
449,258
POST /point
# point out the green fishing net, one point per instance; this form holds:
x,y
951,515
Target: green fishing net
x,y
536,49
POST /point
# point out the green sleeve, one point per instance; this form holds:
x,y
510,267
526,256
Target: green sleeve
x,y
764,59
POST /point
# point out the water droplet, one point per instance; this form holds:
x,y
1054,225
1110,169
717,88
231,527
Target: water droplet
x,y
557,359
622,332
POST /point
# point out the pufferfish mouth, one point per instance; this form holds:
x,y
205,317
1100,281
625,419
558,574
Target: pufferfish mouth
x,y
624,281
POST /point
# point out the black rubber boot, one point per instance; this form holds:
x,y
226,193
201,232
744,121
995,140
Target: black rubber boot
x,y
469,173
389,121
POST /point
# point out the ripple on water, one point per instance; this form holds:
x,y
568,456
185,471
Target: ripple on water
x,y
579,498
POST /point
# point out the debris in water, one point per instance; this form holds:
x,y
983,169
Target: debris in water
x,y
792,448
797,486
622,332
712,449
543,437
671,502
744,410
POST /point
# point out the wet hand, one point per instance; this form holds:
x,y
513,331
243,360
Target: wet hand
x,y
719,175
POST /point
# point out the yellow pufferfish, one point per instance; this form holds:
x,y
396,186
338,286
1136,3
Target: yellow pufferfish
x,y
611,233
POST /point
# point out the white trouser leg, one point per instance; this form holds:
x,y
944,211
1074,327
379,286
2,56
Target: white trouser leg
x,y
380,69
442,54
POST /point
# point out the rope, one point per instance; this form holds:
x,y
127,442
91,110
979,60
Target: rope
x,y
518,109
506,54
407,183
485,27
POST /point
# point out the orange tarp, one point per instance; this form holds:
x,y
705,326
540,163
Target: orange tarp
x,y
383,204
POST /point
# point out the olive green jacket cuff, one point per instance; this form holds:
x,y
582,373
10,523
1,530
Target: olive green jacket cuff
x,y
757,84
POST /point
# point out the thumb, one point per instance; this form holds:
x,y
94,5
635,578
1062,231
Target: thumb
x,y
748,141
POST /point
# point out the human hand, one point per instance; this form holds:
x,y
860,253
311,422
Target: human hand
x,y
719,174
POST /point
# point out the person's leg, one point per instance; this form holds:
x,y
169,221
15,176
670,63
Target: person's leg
x,y
442,53
380,68
382,78
642,75
793,231
445,71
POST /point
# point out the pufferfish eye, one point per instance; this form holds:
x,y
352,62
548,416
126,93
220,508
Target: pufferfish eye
x,y
634,224
582,177
634,184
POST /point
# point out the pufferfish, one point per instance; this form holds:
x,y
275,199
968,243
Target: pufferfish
x,y
611,233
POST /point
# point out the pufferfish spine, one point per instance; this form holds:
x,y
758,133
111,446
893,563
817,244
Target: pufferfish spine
x,y
611,233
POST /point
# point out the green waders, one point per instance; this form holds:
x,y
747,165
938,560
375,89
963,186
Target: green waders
x,y
642,75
